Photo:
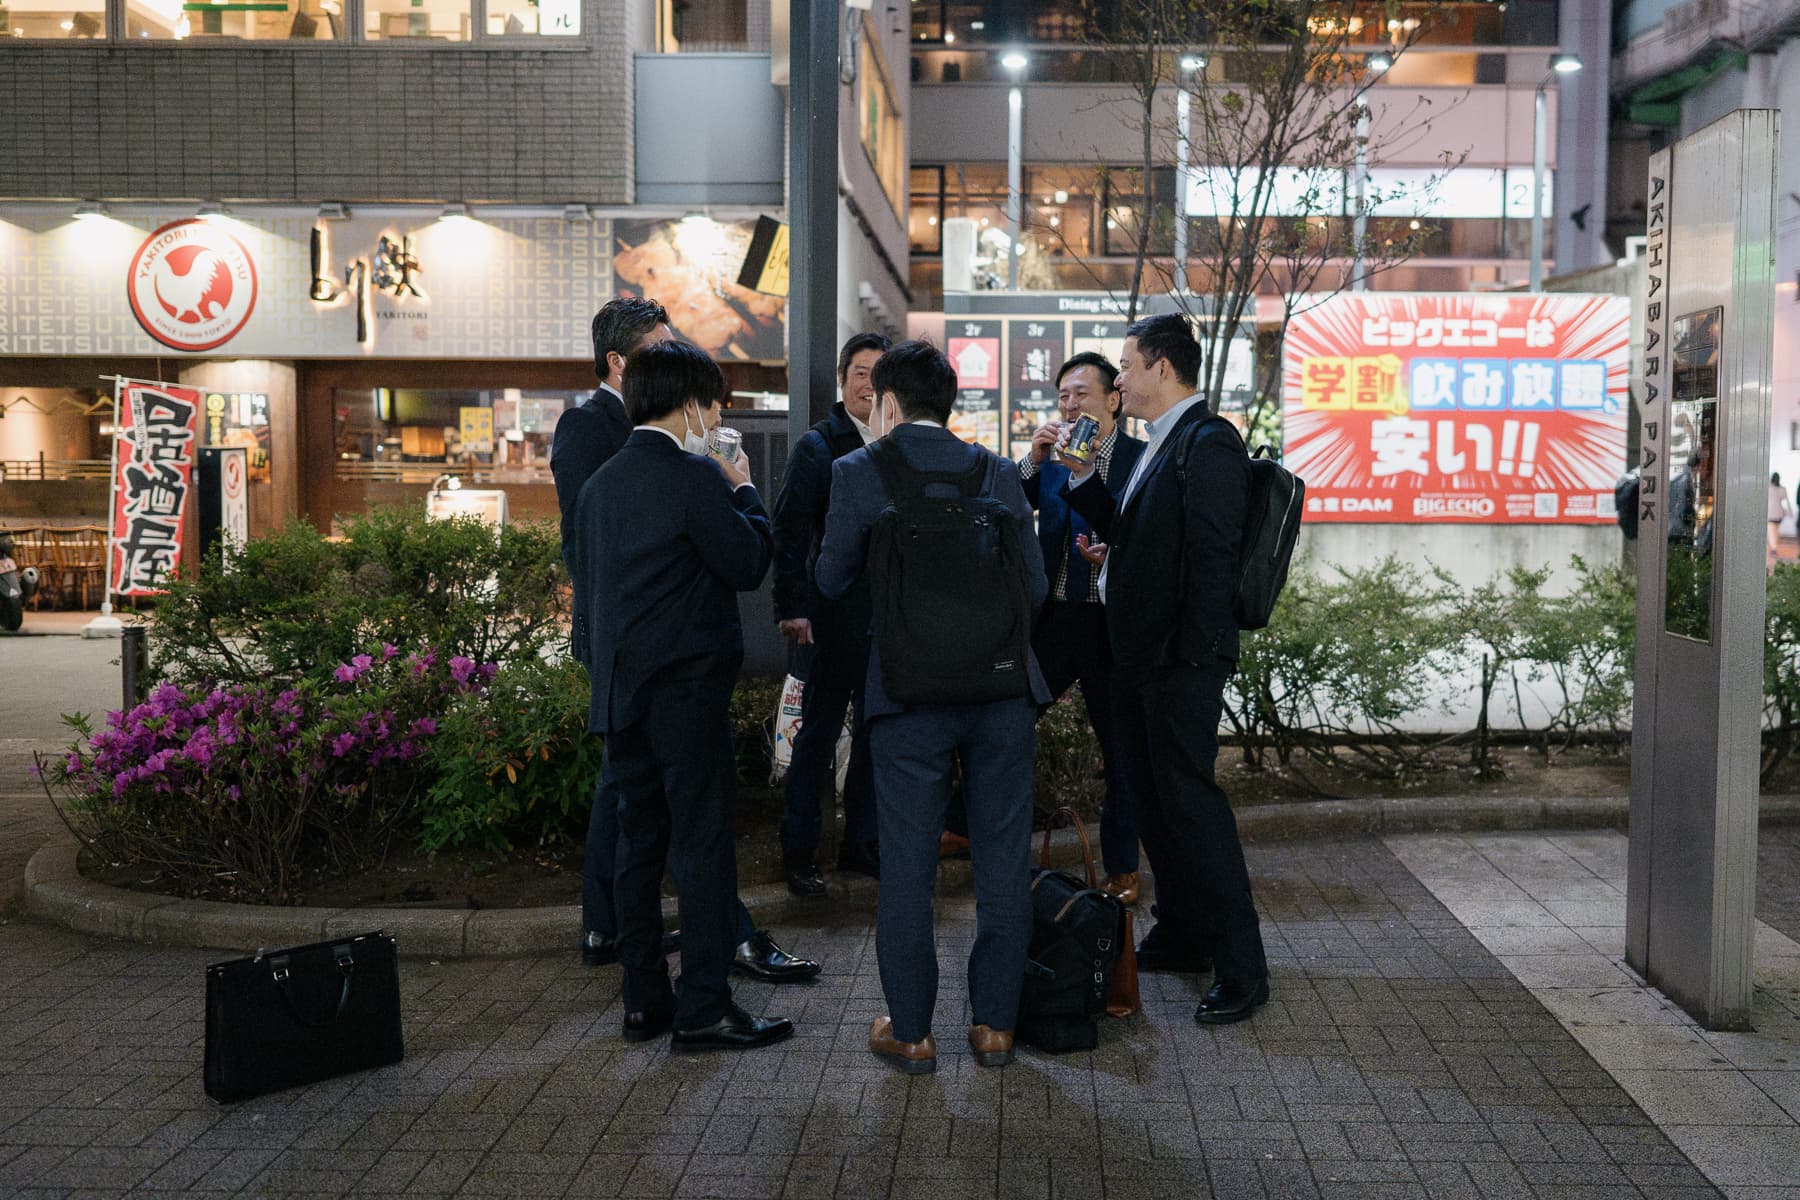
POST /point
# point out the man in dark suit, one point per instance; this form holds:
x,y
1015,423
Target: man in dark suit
x,y
1170,572
586,438
914,747
837,633
1070,636
665,536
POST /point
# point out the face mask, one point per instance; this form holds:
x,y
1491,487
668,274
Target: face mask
x,y
693,443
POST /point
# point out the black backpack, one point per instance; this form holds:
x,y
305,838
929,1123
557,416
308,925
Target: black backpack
x,y
1271,526
952,617
1625,501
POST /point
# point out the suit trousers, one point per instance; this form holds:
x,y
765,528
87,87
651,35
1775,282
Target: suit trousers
x,y
598,913
1168,720
677,781
913,752
834,682
1070,643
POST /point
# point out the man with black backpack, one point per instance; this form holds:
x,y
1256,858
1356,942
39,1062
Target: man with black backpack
x,y
833,634
943,531
1171,585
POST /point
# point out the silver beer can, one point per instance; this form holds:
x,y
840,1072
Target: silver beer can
x,y
1082,433
726,443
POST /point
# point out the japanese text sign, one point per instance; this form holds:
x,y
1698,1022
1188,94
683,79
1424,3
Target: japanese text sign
x,y
1503,408
153,472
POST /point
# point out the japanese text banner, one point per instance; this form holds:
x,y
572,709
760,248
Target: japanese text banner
x,y
1470,408
153,472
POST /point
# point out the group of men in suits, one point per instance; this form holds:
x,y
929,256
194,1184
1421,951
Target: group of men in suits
x,y
1131,579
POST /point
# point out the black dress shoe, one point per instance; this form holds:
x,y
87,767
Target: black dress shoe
x,y
760,958
860,858
1165,953
649,1024
736,1030
803,878
1229,1001
597,951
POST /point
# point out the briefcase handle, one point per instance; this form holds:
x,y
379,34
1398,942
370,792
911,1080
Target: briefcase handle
x,y
1087,850
346,965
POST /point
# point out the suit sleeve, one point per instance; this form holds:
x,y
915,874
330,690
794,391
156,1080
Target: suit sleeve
x,y
729,528
805,486
573,458
845,550
1094,501
1007,487
1031,483
1215,502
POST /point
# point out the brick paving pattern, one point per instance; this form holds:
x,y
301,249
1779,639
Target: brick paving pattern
x,y
1398,1058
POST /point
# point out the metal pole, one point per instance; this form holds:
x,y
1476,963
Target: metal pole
x,y
812,214
132,663
1359,269
1539,136
1015,149
1181,189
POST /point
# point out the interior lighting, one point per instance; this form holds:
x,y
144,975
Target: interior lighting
x,y
931,221
1062,197
1378,63
211,208
576,212
455,212
1193,62
1566,64
1014,60
949,37
88,209
333,212
1414,224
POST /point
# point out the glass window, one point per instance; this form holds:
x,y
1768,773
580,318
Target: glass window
x,y
53,18
878,118
414,435
710,26
445,20
925,213
546,18
241,20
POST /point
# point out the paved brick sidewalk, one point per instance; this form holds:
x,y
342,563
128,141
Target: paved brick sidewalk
x,y
1397,1059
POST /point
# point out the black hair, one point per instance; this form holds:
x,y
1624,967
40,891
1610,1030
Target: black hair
x,y
856,345
620,325
1088,358
663,376
1168,337
921,379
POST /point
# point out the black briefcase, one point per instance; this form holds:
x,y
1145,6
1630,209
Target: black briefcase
x,y
284,1018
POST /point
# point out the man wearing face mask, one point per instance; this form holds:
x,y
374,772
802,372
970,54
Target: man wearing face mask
x,y
665,536
586,439
1070,635
837,633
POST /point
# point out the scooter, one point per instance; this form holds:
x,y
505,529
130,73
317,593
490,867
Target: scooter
x,y
17,587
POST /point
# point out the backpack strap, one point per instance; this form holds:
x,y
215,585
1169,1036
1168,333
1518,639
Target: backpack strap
x,y
905,481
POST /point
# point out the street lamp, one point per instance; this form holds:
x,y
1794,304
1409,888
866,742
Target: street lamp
x,y
1190,63
1015,62
1561,64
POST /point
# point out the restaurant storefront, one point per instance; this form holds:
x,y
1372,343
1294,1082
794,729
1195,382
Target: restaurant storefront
x,y
361,356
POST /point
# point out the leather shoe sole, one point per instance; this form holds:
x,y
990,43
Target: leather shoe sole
x,y
726,1036
1216,1009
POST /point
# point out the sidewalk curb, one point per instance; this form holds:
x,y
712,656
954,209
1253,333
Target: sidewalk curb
x,y
56,893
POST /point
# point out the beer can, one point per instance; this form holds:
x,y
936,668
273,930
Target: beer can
x,y
726,443
1080,445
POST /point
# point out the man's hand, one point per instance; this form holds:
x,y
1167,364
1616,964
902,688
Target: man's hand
x,y
797,630
1047,438
736,473
1094,552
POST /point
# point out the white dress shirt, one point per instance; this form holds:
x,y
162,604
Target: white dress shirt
x,y
1159,433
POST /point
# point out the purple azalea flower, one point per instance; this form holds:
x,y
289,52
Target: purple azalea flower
x,y
342,744
389,651
424,727
461,668
345,673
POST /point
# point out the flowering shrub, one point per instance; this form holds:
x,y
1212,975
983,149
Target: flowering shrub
x,y
239,790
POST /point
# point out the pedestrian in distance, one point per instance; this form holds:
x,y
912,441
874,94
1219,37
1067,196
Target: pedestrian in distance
x,y
831,637
666,535
1070,636
942,529
1169,543
586,438
1780,509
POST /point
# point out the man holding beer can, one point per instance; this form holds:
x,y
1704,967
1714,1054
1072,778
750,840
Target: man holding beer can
x,y
1070,636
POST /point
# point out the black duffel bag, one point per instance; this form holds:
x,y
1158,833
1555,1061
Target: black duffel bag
x,y
1077,934
283,1018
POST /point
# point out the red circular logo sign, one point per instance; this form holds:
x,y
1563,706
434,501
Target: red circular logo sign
x,y
192,285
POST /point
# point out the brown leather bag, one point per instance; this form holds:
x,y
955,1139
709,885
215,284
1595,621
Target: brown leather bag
x,y
1122,996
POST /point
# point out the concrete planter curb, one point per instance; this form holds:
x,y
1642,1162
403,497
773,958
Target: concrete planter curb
x,y
56,892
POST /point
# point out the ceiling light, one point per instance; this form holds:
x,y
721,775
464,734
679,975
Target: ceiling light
x,y
454,212
89,208
1378,63
978,25
333,212
577,212
1062,197
1014,60
949,38
1193,62
211,208
1566,64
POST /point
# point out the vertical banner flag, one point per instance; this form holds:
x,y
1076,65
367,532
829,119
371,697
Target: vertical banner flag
x,y
153,473
1504,408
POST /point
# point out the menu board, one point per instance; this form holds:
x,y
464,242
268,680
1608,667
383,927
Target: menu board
x,y
974,350
1035,352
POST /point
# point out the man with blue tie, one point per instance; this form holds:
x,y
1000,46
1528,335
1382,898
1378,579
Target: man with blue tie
x,y
1070,635
666,535
1169,581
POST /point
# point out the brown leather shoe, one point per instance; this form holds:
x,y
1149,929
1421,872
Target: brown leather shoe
x,y
914,1058
951,845
1124,887
993,1047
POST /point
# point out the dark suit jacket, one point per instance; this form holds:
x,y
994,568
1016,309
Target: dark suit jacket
x,y
1173,564
858,496
799,524
662,544
1045,492
586,436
